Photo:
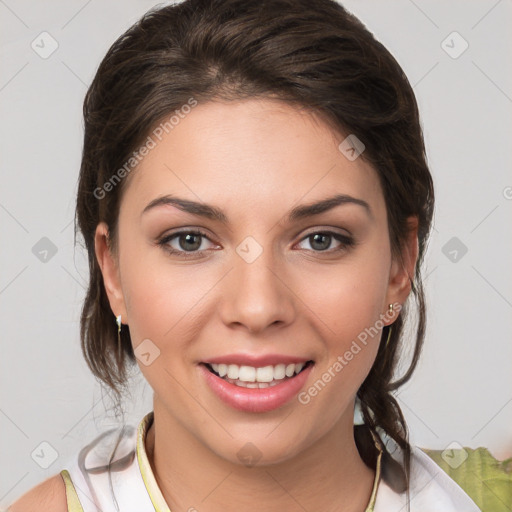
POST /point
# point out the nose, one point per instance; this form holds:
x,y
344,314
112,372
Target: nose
x,y
255,295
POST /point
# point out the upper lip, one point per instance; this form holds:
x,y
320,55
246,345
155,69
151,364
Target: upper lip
x,y
256,361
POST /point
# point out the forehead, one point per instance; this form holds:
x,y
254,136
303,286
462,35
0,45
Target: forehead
x,y
256,153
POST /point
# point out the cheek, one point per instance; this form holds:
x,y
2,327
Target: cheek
x,y
348,297
165,303
164,307
349,313
155,297
346,302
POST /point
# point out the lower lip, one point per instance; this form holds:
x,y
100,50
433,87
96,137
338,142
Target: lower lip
x,y
255,399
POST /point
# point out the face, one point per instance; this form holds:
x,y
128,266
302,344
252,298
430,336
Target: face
x,y
257,285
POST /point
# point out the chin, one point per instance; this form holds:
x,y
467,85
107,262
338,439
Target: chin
x,y
264,449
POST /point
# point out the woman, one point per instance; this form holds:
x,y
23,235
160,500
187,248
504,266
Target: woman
x,y
255,201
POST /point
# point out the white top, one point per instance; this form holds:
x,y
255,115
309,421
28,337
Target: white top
x,y
431,490
130,486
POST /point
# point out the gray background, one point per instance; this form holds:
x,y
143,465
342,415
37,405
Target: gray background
x,y
462,390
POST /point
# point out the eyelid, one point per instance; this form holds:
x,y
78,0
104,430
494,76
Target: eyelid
x,y
346,241
164,240
185,230
327,229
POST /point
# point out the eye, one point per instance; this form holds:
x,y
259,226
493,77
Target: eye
x,y
184,243
320,241
190,243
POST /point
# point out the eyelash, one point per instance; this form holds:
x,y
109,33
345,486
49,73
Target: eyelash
x,y
346,242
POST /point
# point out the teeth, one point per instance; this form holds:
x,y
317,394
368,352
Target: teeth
x,y
265,374
252,377
290,370
279,371
233,371
253,385
247,374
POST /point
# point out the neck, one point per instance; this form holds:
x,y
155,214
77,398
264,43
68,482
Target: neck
x,y
329,475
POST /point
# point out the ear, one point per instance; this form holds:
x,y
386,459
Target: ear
x,y
402,268
109,266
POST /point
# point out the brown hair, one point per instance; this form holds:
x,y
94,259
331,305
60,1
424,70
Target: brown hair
x,y
311,53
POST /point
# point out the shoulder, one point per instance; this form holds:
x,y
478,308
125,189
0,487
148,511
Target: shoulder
x,y
432,485
430,488
48,495
486,479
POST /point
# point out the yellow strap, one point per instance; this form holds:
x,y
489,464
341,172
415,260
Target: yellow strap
x,y
74,504
155,494
373,497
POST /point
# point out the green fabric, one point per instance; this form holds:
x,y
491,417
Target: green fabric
x,y
486,480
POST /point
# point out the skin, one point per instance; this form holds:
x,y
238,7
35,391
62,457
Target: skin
x,y
254,159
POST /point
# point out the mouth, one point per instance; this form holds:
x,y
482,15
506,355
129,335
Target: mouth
x,y
257,377
256,389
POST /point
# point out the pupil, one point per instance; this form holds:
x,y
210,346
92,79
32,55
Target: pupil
x,y
189,239
318,237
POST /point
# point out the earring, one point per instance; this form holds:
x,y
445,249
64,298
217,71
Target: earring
x,y
118,322
390,327
391,310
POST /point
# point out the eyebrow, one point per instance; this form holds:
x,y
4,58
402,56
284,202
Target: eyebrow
x,y
297,213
